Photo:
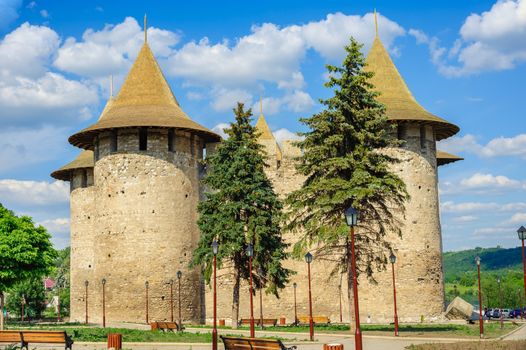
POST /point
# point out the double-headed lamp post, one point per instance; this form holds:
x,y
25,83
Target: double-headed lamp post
x,y
481,316
392,259
308,260
351,216
250,253
522,236
215,249
179,275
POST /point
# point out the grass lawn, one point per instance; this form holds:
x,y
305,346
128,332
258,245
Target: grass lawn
x,y
500,345
491,330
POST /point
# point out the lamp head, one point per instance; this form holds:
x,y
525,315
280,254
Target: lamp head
x,y
392,258
522,232
146,284
308,258
86,283
477,260
351,216
103,281
250,250
215,247
294,284
179,274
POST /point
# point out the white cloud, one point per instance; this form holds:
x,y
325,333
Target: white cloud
x,y
54,226
471,207
8,11
226,99
295,101
497,147
44,13
489,41
285,135
489,182
220,129
465,218
34,192
518,218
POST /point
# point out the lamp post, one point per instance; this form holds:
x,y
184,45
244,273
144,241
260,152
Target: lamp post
x,y
179,275
58,305
260,272
522,236
215,249
519,300
500,305
340,297
481,317
351,216
23,303
295,285
250,253
392,258
146,287
103,303
308,259
171,300
86,283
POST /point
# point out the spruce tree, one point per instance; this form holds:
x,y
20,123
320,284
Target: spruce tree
x,y
241,207
346,163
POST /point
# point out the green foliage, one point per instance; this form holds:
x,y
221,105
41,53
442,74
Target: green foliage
x,y
25,250
61,271
240,208
345,166
32,291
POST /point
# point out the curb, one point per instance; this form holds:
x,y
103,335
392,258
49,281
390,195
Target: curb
x,y
502,337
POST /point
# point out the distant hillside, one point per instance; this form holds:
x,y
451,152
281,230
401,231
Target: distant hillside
x,y
492,259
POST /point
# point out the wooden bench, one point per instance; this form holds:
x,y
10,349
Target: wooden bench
x,y
232,343
303,320
164,326
26,337
257,322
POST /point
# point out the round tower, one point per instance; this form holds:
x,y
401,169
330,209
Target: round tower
x,y
147,155
420,286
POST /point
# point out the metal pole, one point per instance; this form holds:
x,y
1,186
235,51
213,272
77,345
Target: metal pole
x,y
340,295
86,299
22,313
357,332
311,324
481,318
394,298
295,305
252,330
171,300
523,269
104,303
500,307
58,306
214,328
147,285
261,308
179,295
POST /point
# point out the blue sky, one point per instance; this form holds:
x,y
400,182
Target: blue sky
x,y
463,61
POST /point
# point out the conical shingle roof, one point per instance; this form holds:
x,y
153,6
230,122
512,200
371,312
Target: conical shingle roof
x,y
266,135
395,95
446,158
145,99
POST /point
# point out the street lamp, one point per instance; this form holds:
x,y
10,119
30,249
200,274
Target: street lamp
x,y
103,302
351,216
146,287
86,283
260,272
171,300
179,275
308,259
481,321
392,258
215,249
250,253
340,297
295,285
522,236
22,303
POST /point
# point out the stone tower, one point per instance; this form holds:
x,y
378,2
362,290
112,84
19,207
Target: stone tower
x,y
134,196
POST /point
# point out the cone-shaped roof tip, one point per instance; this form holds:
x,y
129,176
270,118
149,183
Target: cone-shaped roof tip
x,y
145,99
375,24
395,95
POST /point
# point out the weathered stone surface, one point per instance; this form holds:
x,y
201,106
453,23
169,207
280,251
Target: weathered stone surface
x,y
459,309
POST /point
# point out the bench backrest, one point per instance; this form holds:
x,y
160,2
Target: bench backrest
x,y
171,325
10,337
51,337
270,320
232,343
320,319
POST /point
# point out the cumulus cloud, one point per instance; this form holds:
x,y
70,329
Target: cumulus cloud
x,y
465,207
518,218
226,99
482,184
492,40
497,147
33,192
465,218
285,135
295,101
58,225
220,129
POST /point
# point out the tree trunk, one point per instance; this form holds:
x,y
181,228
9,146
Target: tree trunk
x,y
350,297
2,311
235,298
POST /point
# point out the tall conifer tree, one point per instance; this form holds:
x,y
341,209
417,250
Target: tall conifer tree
x,y
240,208
346,163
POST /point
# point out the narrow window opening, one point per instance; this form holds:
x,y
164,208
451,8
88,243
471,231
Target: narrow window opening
x,y
143,139
278,165
204,152
423,139
171,140
400,132
96,148
84,181
113,145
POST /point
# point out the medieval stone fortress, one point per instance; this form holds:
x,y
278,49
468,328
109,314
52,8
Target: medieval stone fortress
x,y
136,185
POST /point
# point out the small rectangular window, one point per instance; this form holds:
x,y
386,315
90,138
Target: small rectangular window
x,y
96,148
423,139
84,179
400,131
113,145
171,140
143,139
